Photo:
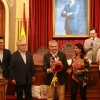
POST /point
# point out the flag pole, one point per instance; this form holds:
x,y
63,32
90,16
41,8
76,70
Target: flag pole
x,y
23,29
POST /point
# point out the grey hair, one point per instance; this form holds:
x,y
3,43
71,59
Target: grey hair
x,y
52,41
20,41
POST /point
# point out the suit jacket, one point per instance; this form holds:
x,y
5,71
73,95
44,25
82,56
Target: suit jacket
x,y
20,71
62,75
92,50
72,20
5,63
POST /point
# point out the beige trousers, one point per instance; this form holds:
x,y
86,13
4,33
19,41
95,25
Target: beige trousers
x,y
60,89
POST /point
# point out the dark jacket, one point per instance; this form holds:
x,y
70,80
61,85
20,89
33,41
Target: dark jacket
x,y
5,63
20,71
62,75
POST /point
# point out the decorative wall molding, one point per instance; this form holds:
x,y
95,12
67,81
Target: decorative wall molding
x,y
10,3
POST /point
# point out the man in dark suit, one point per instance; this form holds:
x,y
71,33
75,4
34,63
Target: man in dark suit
x,y
48,66
71,12
22,71
4,59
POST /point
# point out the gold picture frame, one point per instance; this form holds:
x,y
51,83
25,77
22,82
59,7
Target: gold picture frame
x,y
59,21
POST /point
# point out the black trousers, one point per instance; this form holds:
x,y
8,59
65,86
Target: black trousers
x,y
27,90
74,87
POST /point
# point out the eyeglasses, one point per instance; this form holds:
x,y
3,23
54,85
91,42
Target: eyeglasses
x,y
23,44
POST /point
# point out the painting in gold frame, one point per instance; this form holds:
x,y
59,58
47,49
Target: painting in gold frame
x,y
71,21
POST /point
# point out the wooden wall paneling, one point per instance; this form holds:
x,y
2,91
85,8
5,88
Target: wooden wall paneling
x,y
39,75
93,89
2,19
3,83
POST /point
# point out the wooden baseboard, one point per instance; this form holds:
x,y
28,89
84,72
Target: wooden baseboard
x,y
12,97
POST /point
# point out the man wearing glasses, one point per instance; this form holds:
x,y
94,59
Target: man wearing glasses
x,y
22,71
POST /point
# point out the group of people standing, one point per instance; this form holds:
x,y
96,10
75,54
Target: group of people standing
x,y
19,66
84,55
79,68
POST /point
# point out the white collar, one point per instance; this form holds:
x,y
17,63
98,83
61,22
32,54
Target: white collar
x,y
94,38
53,53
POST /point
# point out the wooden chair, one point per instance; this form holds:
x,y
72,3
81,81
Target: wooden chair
x,y
68,49
38,55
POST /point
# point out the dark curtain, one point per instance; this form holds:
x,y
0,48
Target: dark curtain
x,y
40,23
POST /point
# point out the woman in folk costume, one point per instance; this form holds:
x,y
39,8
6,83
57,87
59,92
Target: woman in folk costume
x,y
79,69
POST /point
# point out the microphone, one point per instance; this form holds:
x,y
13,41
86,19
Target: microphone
x,y
93,38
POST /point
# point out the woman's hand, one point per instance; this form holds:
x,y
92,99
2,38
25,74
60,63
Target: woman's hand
x,y
80,71
69,71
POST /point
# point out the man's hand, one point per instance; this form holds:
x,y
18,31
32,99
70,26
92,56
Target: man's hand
x,y
33,79
13,81
49,70
70,13
91,44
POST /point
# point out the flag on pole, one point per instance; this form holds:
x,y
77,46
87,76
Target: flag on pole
x,y
23,28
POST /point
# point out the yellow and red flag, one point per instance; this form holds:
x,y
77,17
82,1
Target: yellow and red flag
x,y
23,29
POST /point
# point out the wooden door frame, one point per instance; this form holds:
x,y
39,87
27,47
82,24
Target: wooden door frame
x,y
6,23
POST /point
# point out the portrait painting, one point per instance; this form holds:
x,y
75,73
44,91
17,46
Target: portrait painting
x,y
71,18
